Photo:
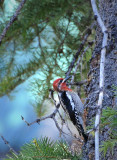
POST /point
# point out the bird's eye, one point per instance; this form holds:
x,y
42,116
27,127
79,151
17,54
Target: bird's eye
x,y
60,82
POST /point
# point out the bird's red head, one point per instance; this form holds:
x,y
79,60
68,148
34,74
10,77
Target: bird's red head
x,y
60,85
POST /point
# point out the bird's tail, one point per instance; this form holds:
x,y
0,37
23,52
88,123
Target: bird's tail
x,y
82,132
85,136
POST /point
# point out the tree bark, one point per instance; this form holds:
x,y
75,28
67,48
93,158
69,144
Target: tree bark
x,y
108,13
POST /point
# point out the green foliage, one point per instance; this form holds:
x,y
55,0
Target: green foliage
x,y
108,145
44,149
114,90
40,45
109,117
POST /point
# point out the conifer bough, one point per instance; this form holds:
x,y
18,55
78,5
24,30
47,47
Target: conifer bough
x,y
13,18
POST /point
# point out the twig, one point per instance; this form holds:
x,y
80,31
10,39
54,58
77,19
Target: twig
x,y
80,83
43,118
77,64
101,80
7,143
60,47
52,97
56,123
88,32
69,129
93,129
13,18
61,131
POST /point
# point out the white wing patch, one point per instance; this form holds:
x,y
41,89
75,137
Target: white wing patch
x,y
71,100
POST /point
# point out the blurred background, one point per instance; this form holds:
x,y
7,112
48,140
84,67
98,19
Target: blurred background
x,y
37,49
14,130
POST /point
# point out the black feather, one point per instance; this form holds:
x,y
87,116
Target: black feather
x,y
67,104
73,114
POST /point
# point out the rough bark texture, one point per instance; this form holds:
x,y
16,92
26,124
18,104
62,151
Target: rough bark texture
x,y
108,12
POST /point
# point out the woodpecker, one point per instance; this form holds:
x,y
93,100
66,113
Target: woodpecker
x,y
72,103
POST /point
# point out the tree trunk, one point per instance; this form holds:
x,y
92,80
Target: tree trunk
x,y
108,13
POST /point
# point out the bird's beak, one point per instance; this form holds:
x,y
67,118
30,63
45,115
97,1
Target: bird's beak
x,y
68,77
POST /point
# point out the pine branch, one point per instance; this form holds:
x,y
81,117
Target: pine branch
x,y
88,32
7,143
78,63
43,118
52,97
101,80
60,47
13,18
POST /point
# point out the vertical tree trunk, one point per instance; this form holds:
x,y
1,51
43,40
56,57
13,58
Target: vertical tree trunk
x,y
108,13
